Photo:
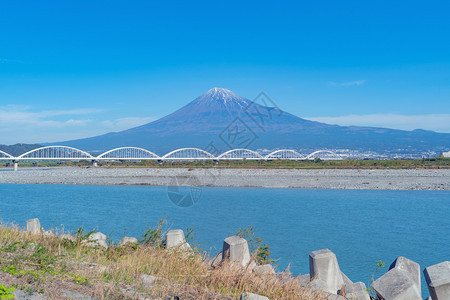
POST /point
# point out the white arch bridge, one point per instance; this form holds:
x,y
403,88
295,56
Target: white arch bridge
x,y
64,153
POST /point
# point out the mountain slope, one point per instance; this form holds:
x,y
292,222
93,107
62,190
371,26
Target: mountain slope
x,y
220,120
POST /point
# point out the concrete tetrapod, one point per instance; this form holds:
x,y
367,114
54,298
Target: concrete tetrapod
x,y
235,248
401,282
34,226
264,269
356,291
438,280
324,268
175,238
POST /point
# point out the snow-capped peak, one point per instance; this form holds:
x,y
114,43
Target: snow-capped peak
x,y
222,94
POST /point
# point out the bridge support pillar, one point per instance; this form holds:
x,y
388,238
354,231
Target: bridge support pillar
x,y
94,164
16,165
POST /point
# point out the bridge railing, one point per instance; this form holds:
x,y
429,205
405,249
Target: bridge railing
x,y
64,153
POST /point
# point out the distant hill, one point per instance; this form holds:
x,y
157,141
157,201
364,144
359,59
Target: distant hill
x,y
220,120
18,149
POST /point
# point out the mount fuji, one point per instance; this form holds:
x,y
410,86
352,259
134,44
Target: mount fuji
x,y
220,120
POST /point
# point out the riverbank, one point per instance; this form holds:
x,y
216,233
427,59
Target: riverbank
x,y
38,264
377,179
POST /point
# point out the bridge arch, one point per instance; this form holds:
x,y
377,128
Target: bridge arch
x,y
3,155
324,155
56,153
188,154
240,154
285,154
131,153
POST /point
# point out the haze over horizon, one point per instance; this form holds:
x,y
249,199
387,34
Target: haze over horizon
x,y
75,70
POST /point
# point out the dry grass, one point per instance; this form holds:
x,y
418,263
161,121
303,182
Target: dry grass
x,y
51,265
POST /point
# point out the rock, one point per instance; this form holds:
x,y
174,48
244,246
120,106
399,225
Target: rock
x,y
103,269
127,239
250,296
175,238
77,296
98,239
264,269
34,226
235,248
438,280
323,265
25,295
396,285
148,280
356,291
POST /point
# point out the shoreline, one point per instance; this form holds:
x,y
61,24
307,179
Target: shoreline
x,y
355,179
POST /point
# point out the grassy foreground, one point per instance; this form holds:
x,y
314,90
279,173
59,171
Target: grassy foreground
x,y
56,266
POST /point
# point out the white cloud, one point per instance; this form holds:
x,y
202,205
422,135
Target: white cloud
x,y
12,115
435,122
22,124
347,83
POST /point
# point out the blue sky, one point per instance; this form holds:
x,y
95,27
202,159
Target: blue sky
x,y
72,69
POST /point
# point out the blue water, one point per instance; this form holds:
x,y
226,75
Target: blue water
x,y
361,227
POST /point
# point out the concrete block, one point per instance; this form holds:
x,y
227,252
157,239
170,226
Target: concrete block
x,y
131,240
98,239
356,291
148,280
215,262
251,266
264,269
411,268
334,296
49,233
34,226
438,280
303,280
175,238
250,296
235,248
323,265
396,285
347,280
318,285
67,237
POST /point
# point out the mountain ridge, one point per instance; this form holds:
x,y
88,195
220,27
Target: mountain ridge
x,y
219,114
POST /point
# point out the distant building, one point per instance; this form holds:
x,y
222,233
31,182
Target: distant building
x,y
446,154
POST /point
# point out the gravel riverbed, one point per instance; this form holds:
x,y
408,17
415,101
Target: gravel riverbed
x,y
423,179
